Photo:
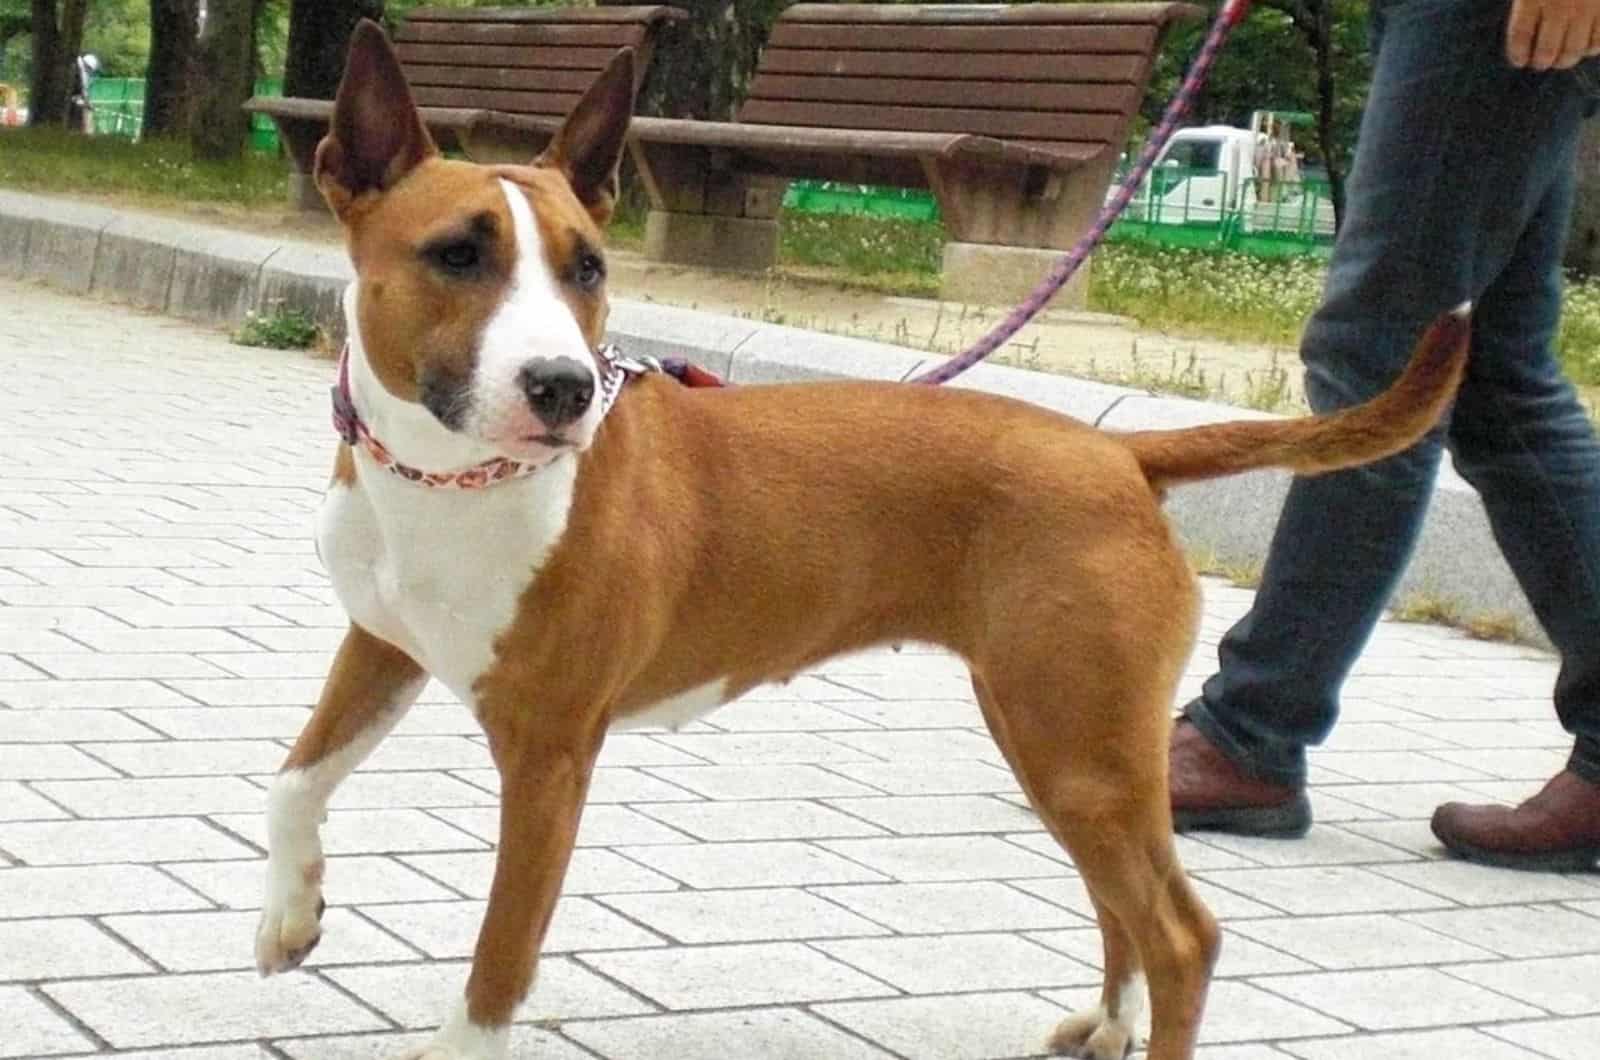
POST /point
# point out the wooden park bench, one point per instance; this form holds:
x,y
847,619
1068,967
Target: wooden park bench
x,y
1014,116
492,82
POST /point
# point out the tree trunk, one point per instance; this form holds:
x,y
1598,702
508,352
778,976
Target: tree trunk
x,y
57,39
319,36
702,66
226,67
174,26
1583,236
1322,45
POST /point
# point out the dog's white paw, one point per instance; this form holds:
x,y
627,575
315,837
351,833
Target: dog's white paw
x,y
432,1052
291,922
1092,1035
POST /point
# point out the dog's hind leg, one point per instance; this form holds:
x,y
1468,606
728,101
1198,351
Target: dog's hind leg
x,y
1084,726
370,687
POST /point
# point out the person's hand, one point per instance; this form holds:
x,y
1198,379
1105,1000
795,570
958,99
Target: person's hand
x,y
1552,34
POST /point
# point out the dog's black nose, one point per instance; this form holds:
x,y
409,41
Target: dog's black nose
x,y
559,390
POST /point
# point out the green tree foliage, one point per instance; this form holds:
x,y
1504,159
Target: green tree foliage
x,y
1301,55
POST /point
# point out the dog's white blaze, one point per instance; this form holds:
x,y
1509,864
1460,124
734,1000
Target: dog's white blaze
x,y
679,710
530,325
461,1039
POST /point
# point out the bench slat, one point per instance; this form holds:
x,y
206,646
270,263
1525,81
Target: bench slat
x,y
1157,14
995,66
1006,124
525,57
996,95
628,13
598,34
777,140
490,78
552,103
1109,38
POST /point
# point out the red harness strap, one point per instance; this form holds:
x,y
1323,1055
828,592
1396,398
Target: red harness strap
x,y
690,374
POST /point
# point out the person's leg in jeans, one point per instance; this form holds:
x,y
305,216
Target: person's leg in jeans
x,y
1520,436
1459,155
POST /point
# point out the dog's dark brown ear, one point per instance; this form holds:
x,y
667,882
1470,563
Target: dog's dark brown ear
x,y
376,136
588,148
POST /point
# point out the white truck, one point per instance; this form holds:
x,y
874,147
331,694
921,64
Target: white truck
x,y
1222,175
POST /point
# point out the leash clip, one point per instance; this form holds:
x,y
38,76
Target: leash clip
x,y
344,415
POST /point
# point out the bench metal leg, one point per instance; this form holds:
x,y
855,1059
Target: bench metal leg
x,y
1010,224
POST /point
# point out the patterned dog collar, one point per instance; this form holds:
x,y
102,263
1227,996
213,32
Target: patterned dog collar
x,y
617,370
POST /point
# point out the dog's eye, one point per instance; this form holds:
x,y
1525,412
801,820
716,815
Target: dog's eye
x,y
459,258
591,270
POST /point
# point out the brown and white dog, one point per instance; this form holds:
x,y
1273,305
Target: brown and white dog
x,y
696,543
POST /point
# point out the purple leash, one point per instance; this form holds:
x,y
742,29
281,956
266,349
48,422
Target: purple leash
x,y
1231,15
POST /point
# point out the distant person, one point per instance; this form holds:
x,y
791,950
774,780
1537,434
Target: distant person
x,y
80,108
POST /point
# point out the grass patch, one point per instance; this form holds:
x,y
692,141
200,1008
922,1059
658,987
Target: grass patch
x,y
156,171
281,329
1221,295
884,253
1426,607
1243,574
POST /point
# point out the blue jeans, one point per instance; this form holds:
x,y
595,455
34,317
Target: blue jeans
x,y
1461,189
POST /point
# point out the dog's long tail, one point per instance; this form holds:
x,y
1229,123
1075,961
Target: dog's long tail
x,y
1311,445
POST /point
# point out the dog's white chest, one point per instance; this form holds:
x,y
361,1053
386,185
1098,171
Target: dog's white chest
x,y
440,573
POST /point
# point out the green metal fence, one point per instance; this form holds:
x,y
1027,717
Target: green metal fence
x,y
1179,207
119,109
1202,208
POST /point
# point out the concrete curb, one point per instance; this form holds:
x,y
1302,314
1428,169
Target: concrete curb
x,y
215,276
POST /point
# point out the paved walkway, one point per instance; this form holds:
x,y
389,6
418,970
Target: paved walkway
x,y
837,869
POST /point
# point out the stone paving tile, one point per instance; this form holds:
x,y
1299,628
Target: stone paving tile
x,y
1413,1045
950,907
759,819
61,948
778,1034
959,1027
347,880
89,890
420,995
1366,999
213,1007
450,929
219,942
777,876
1515,930
1566,986
18,803
525,1041
763,973
34,1029
1361,940
98,842
757,914
1572,1039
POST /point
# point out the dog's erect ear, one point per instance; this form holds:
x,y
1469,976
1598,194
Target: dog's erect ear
x,y
588,148
376,136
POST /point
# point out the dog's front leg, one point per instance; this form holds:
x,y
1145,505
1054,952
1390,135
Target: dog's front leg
x,y
544,776
369,688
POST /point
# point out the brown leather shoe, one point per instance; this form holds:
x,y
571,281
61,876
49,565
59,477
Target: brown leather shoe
x,y
1558,830
1210,793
